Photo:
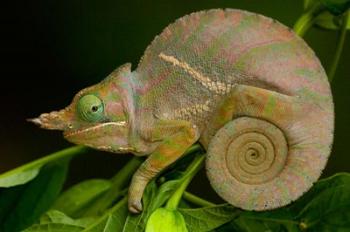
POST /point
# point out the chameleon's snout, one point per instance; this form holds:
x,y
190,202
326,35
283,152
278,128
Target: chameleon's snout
x,y
56,120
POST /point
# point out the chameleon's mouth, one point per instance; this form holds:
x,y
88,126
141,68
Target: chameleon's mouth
x,y
91,130
78,132
109,136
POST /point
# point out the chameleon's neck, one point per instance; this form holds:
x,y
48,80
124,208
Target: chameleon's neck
x,y
132,93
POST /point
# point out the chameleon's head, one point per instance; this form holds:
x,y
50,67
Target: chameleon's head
x,y
99,116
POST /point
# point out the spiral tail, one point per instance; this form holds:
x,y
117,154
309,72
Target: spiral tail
x,y
264,159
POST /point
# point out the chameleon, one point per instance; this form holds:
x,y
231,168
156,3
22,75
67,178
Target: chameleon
x,y
243,85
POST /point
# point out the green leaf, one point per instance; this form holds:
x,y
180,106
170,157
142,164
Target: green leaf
x,y
137,222
114,223
55,216
112,220
308,3
244,224
184,204
328,21
22,205
78,197
275,220
208,218
19,176
29,171
119,184
29,190
327,205
155,197
58,221
164,192
54,227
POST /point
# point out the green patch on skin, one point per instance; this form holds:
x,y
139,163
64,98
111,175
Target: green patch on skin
x,y
162,89
270,106
281,48
174,38
198,31
110,130
226,38
221,120
283,188
113,96
173,146
308,74
301,173
252,199
321,147
309,94
159,156
119,118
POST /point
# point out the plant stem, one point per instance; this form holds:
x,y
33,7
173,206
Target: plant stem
x,y
197,200
191,171
307,19
340,46
122,177
193,148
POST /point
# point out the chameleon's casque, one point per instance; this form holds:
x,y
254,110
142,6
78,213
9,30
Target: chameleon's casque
x,y
243,85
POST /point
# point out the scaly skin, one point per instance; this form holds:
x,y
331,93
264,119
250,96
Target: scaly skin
x,y
201,72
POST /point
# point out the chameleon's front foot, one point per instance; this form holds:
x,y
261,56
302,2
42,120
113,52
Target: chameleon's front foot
x,y
135,206
172,148
136,189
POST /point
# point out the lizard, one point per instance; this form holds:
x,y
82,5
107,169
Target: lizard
x,y
243,85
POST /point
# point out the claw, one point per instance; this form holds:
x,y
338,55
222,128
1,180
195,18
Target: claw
x,y
135,206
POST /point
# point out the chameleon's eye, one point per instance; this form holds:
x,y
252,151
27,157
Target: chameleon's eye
x,y
90,108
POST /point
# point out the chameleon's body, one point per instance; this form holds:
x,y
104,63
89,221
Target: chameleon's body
x,y
225,78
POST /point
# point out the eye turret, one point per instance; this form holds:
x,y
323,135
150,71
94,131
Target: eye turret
x,y
90,108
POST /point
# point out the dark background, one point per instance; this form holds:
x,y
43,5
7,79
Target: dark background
x,y
50,49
